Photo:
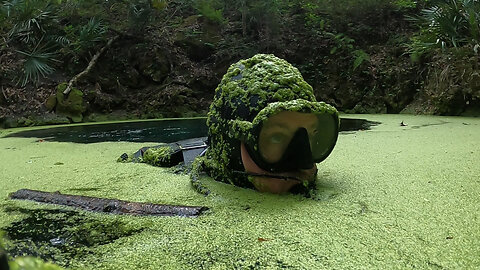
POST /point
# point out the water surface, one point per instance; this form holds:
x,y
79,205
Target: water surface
x,y
167,131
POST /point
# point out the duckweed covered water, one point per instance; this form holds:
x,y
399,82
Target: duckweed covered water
x,y
391,197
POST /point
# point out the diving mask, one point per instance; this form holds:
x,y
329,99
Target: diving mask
x,y
289,136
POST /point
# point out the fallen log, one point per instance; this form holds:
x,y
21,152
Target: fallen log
x,y
111,206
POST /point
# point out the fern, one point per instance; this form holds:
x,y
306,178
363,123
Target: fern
x,y
360,57
209,10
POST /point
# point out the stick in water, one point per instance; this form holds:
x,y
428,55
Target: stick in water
x,y
112,206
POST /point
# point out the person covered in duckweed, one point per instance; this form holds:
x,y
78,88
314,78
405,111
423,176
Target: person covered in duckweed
x,y
265,131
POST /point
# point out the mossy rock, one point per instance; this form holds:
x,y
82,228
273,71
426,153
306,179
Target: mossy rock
x,y
72,106
51,102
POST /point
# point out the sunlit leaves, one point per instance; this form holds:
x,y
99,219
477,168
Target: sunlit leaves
x,y
451,23
159,4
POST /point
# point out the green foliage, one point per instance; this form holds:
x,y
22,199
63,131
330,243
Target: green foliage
x,y
38,63
31,263
159,4
313,19
343,42
79,40
446,24
211,10
32,31
139,14
406,3
30,19
265,16
360,57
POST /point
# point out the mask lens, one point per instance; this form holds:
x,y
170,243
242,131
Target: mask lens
x,y
278,131
324,137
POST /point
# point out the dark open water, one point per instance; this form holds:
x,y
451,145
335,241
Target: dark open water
x,y
147,131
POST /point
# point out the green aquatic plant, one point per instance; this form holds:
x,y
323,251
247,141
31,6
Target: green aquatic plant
x,y
31,263
22,263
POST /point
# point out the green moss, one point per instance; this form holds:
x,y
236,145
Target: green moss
x,y
60,235
73,106
158,156
51,102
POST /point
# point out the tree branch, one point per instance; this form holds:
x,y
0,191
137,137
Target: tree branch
x,y
92,63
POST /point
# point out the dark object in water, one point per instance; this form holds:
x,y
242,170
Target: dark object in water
x,y
108,205
355,124
182,151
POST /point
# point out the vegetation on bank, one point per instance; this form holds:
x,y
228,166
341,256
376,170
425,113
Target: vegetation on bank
x,y
166,57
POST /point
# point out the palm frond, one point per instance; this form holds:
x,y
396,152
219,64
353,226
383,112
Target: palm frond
x,y
451,23
38,63
29,18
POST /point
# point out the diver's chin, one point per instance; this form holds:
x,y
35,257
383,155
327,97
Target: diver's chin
x,y
277,183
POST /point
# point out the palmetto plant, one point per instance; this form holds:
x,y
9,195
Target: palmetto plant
x,y
31,35
38,63
87,36
30,19
448,23
37,36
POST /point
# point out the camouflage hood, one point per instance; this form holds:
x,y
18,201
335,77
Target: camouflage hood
x,y
252,89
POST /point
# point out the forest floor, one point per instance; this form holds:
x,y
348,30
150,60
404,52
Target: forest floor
x,y
390,197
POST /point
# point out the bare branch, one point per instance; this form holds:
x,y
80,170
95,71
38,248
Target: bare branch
x,y
92,63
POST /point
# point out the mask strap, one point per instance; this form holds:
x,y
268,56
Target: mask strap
x,y
282,177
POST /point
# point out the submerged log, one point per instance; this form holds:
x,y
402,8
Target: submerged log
x,y
112,206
